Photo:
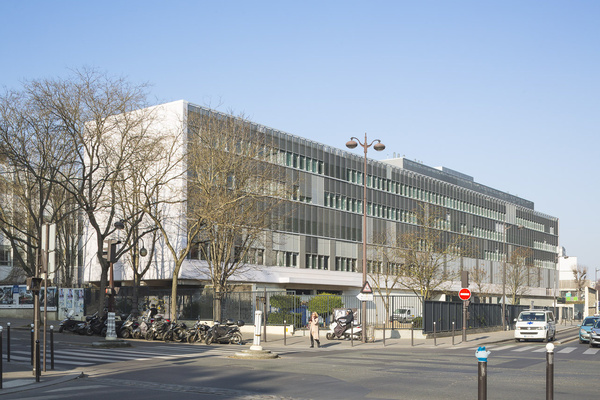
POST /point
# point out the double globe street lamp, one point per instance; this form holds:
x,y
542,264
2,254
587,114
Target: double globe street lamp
x,y
378,146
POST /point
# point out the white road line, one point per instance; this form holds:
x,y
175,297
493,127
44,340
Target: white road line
x,y
567,350
526,348
79,363
591,351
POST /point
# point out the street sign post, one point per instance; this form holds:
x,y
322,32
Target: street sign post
x,y
365,296
465,295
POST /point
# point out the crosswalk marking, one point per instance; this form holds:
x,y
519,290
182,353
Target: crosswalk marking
x,y
526,348
591,351
75,357
567,350
28,359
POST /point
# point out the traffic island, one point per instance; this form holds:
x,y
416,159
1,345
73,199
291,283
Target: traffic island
x,y
256,354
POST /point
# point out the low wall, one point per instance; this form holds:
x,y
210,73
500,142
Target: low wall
x,y
25,313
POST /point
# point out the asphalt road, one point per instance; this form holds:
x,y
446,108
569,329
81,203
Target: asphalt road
x,y
515,371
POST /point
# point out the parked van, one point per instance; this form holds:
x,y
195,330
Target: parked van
x,y
535,324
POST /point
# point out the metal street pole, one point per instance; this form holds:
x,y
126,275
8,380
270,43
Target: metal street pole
x,y
504,281
378,147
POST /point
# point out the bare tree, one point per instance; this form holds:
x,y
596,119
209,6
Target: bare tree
x,y
478,274
518,273
385,265
235,193
93,113
33,154
580,278
428,249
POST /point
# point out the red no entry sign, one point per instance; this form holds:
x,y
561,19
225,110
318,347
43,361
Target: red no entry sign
x,y
464,294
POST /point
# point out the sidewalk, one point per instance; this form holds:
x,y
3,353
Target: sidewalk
x,y
18,376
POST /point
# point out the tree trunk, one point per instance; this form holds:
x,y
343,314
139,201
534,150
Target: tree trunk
x,y
217,306
135,295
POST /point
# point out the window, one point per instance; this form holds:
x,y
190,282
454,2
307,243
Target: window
x,y
4,255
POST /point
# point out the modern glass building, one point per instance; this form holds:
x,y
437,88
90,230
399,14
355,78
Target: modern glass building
x,y
317,246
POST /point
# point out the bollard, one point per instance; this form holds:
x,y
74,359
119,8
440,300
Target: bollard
x,y
383,333
51,346
352,333
32,344
412,336
284,332
37,360
452,333
549,371
482,355
257,325
8,342
434,338
1,356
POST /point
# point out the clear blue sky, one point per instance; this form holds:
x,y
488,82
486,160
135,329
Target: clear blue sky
x,y
505,91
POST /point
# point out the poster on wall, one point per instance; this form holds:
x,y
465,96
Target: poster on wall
x,y
17,296
70,299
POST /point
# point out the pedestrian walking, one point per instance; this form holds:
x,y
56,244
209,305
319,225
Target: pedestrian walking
x,y
313,328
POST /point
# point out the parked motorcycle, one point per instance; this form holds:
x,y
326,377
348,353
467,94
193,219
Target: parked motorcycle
x,y
228,333
158,328
197,333
69,324
176,332
95,324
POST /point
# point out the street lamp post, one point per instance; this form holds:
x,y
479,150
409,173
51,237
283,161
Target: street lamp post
x,y
504,272
378,146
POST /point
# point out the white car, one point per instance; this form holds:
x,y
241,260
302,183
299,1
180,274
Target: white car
x,y
536,325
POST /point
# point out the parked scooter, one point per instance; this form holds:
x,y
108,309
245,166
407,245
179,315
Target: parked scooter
x,y
69,324
228,333
344,326
129,326
145,321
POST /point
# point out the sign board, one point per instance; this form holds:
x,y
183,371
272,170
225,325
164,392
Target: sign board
x,y
367,288
365,296
464,294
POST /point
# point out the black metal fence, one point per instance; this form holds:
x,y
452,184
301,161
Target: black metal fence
x,y
280,306
480,315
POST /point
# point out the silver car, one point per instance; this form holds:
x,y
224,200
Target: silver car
x,y
595,334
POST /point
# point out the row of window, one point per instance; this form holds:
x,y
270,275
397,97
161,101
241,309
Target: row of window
x,y
543,246
390,186
531,225
316,261
434,198
308,164
289,159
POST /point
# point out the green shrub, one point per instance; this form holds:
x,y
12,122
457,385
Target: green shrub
x,y
277,318
284,302
418,322
324,303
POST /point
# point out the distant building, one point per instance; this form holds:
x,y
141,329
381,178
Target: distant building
x,y
573,300
319,249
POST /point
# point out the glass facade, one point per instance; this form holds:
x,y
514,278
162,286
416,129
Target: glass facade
x,y
323,224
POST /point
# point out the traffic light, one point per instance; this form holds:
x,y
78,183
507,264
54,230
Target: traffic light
x,y
34,284
464,279
109,252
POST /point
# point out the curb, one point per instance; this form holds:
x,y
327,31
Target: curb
x,y
43,383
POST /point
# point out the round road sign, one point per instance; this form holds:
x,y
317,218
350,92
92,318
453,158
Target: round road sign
x,y
464,294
